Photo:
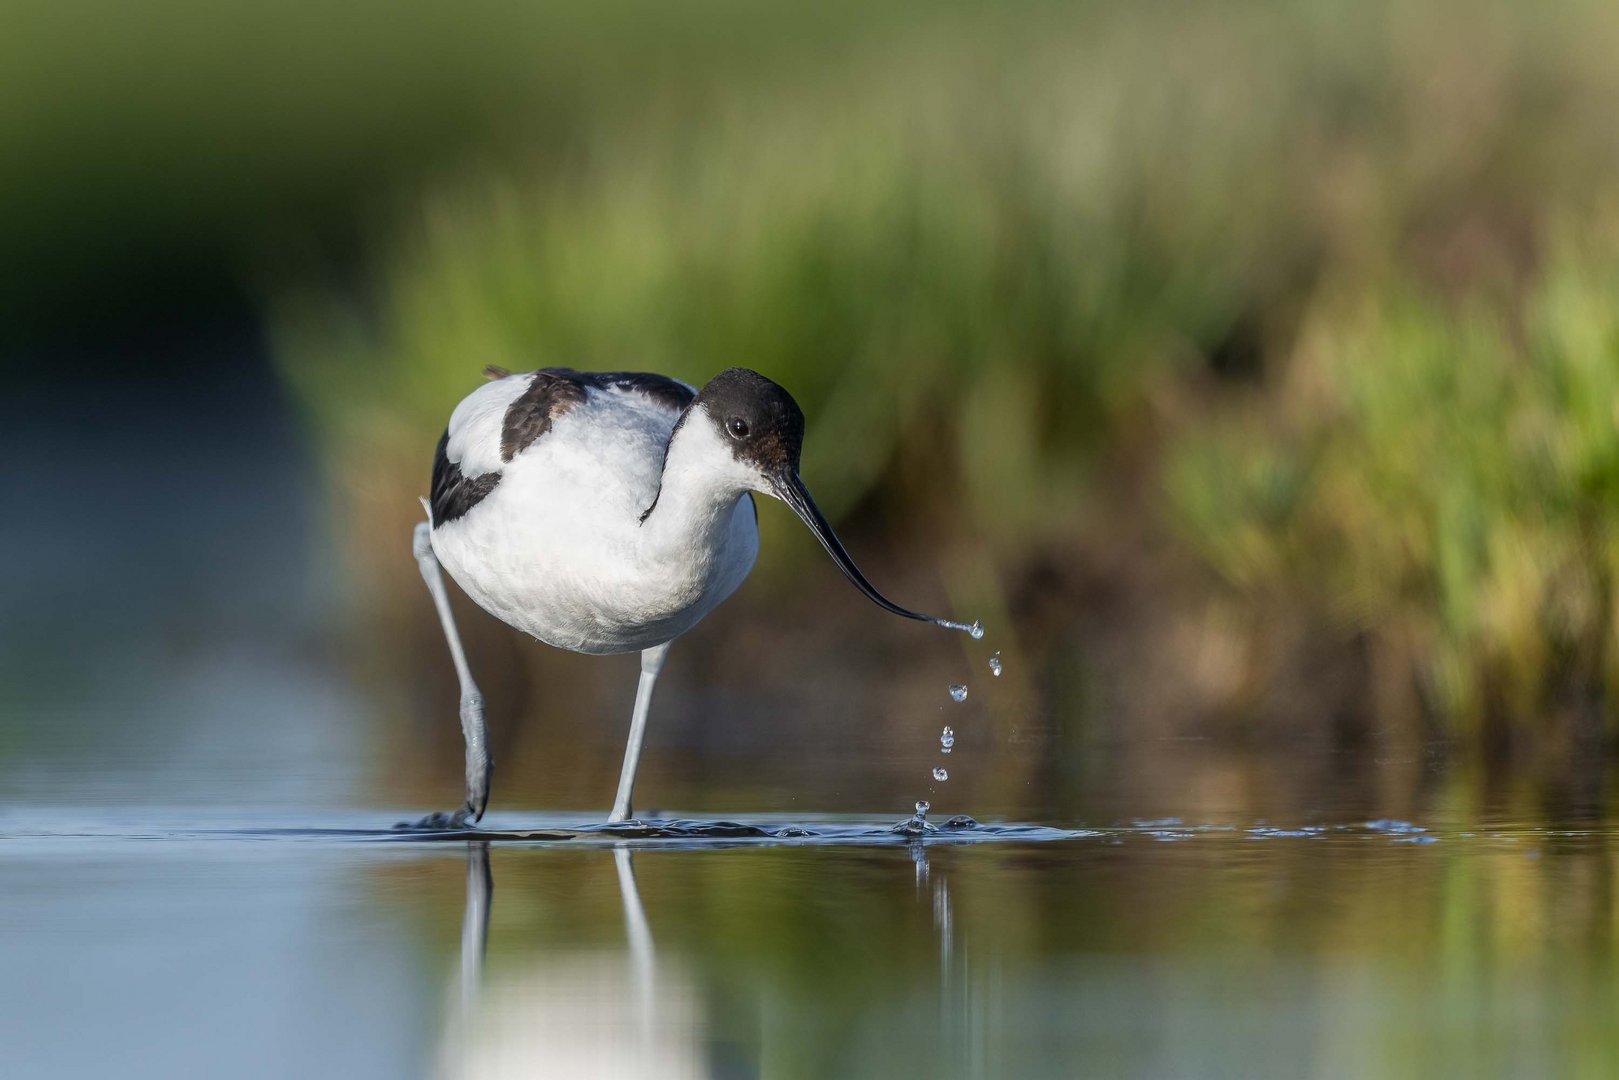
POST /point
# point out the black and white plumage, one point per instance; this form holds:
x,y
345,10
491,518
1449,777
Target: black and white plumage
x,y
607,512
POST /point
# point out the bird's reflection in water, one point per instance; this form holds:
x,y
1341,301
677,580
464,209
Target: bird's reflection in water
x,y
631,1012
598,1014
475,922
639,935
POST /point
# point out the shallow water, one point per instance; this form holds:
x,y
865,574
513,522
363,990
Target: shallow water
x,y
190,942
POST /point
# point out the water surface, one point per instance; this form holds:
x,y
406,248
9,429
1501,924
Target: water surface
x,y
187,942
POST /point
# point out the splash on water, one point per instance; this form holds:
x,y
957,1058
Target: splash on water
x,y
995,665
975,631
958,691
1393,825
917,824
940,774
947,739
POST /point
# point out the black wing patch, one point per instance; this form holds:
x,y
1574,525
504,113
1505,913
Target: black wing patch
x,y
553,391
550,393
673,395
454,494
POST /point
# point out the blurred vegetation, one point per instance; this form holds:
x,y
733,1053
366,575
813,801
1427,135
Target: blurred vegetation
x,y
1443,476
1306,300
169,160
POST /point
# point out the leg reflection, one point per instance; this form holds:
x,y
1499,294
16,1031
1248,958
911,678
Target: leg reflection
x,y
475,921
640,940
580,1001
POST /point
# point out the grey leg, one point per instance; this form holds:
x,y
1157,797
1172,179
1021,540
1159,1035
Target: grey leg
x,y
651,664
472,725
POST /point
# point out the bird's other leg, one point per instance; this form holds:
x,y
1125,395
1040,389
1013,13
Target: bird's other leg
x,y
472,723
651,664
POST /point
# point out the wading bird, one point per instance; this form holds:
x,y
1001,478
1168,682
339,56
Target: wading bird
x,y
607,512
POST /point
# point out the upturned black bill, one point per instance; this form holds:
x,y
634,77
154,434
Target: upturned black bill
x,y
791,490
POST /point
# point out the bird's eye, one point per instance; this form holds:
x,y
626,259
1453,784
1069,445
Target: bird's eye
x,y
738,427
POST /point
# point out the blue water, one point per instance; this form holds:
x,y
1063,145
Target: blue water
x,y
188,942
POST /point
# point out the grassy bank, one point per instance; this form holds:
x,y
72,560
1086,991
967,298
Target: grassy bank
x,y
1441,474
1303,299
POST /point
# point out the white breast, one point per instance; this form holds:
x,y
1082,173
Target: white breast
x,y
558,548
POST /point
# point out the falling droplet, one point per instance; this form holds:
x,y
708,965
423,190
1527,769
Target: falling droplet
x,y
947,739
958,691
922,808
995,665
940,774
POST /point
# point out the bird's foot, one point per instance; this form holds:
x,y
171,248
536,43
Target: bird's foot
x,y
442,821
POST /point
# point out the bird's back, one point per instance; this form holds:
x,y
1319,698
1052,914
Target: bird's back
x,y
621,419
539,487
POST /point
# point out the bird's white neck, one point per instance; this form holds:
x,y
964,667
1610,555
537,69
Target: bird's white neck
x,y
702,482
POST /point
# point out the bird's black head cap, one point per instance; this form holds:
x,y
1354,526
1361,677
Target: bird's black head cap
x,y
756,418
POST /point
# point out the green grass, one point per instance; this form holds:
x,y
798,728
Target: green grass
x,y
1442,473
1311,283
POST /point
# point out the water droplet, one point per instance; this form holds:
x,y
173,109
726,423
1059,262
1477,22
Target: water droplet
x,y
995,665
922,808
976,630
940,774
947,738
958,691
